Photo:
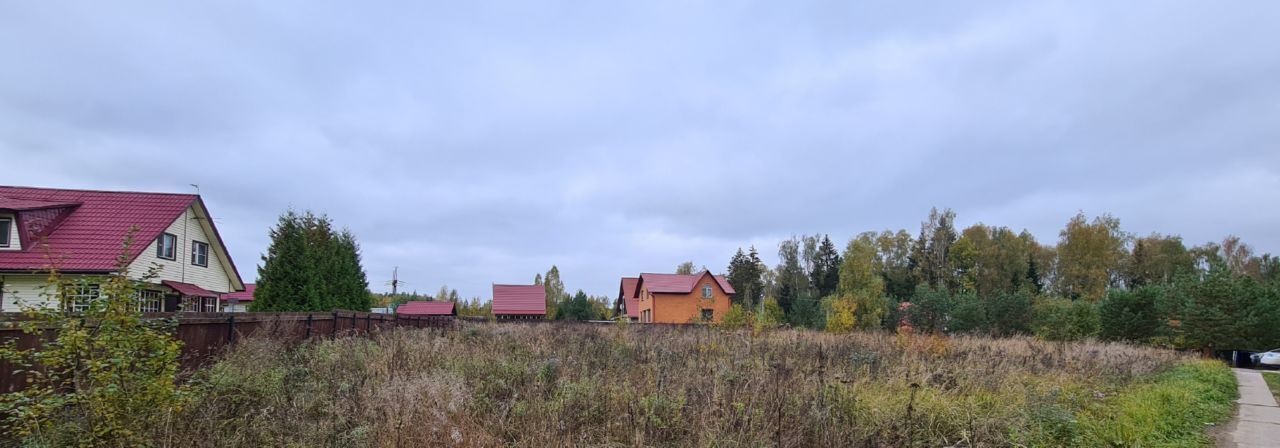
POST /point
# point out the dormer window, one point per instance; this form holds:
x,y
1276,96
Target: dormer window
x,y
200,253
167,246
706,291
5,225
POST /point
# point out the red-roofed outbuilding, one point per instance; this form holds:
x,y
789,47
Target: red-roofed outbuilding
x,y
519,302
427,308
238,302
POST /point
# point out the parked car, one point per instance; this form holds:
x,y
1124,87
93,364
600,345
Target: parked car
x,y
1269,359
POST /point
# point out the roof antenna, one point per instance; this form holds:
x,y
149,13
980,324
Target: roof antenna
x,y
395,280
197,187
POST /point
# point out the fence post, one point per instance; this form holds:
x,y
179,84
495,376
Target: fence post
x,y
335,325
368,323
231,328
308,336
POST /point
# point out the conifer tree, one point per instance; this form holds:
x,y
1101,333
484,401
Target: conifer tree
x,y
310,267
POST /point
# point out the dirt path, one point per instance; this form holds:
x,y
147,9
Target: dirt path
x,y
1257,422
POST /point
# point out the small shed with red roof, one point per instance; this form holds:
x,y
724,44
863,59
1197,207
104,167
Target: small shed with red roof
x,y
427,308
238,302
519,302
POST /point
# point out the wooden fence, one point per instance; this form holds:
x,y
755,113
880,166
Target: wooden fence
x,y
205,335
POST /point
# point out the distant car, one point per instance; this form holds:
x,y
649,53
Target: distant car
x,y
1269,359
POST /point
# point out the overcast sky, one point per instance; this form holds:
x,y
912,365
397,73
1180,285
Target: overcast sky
x,y
484,143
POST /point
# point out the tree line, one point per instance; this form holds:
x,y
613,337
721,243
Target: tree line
x,y
1096,281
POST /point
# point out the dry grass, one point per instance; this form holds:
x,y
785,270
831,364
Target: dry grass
x,y
560,385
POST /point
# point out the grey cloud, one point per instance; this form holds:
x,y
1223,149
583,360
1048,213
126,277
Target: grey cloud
x,y
484,142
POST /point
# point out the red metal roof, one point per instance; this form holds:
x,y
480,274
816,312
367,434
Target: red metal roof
x,y
242,296
7,203
680,283
627,290
86,235
519,299
633,307
426,308
188,289
630,295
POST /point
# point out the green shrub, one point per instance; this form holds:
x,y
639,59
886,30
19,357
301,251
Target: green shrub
x,y
773,316
1130,315
1058,319
737,317
106,378
968,315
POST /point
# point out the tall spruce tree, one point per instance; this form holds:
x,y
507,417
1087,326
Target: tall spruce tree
x,y
825,276
746,276
310,267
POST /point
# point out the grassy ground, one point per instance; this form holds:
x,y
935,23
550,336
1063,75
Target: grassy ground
x,y
563,385
1273,382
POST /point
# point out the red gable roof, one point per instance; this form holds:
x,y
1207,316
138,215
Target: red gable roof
x,y
426,308
680,283
85,228
17,204
633,307
519,299
242,296
188,289
630,295
628,290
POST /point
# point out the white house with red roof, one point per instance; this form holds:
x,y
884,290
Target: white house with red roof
x,y
519,302
80,233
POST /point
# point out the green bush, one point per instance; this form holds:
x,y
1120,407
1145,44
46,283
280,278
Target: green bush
x,y
968,314
737,317
106,378
1056,319
1130,315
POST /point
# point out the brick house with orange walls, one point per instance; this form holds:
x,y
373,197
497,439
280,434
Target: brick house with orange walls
x,y
682,299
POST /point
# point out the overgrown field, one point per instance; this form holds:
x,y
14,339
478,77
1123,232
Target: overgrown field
x,y
563,385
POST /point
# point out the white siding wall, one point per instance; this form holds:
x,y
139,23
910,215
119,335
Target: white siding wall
x,y
237,308
14,242
24,288
191,226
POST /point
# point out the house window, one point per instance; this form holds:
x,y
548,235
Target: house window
x,y
195,304
706,291
77,298
167,246
150,301
5,225
200,253
707,315
190,304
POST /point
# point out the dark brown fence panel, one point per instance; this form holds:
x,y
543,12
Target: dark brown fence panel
x,y
205,335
